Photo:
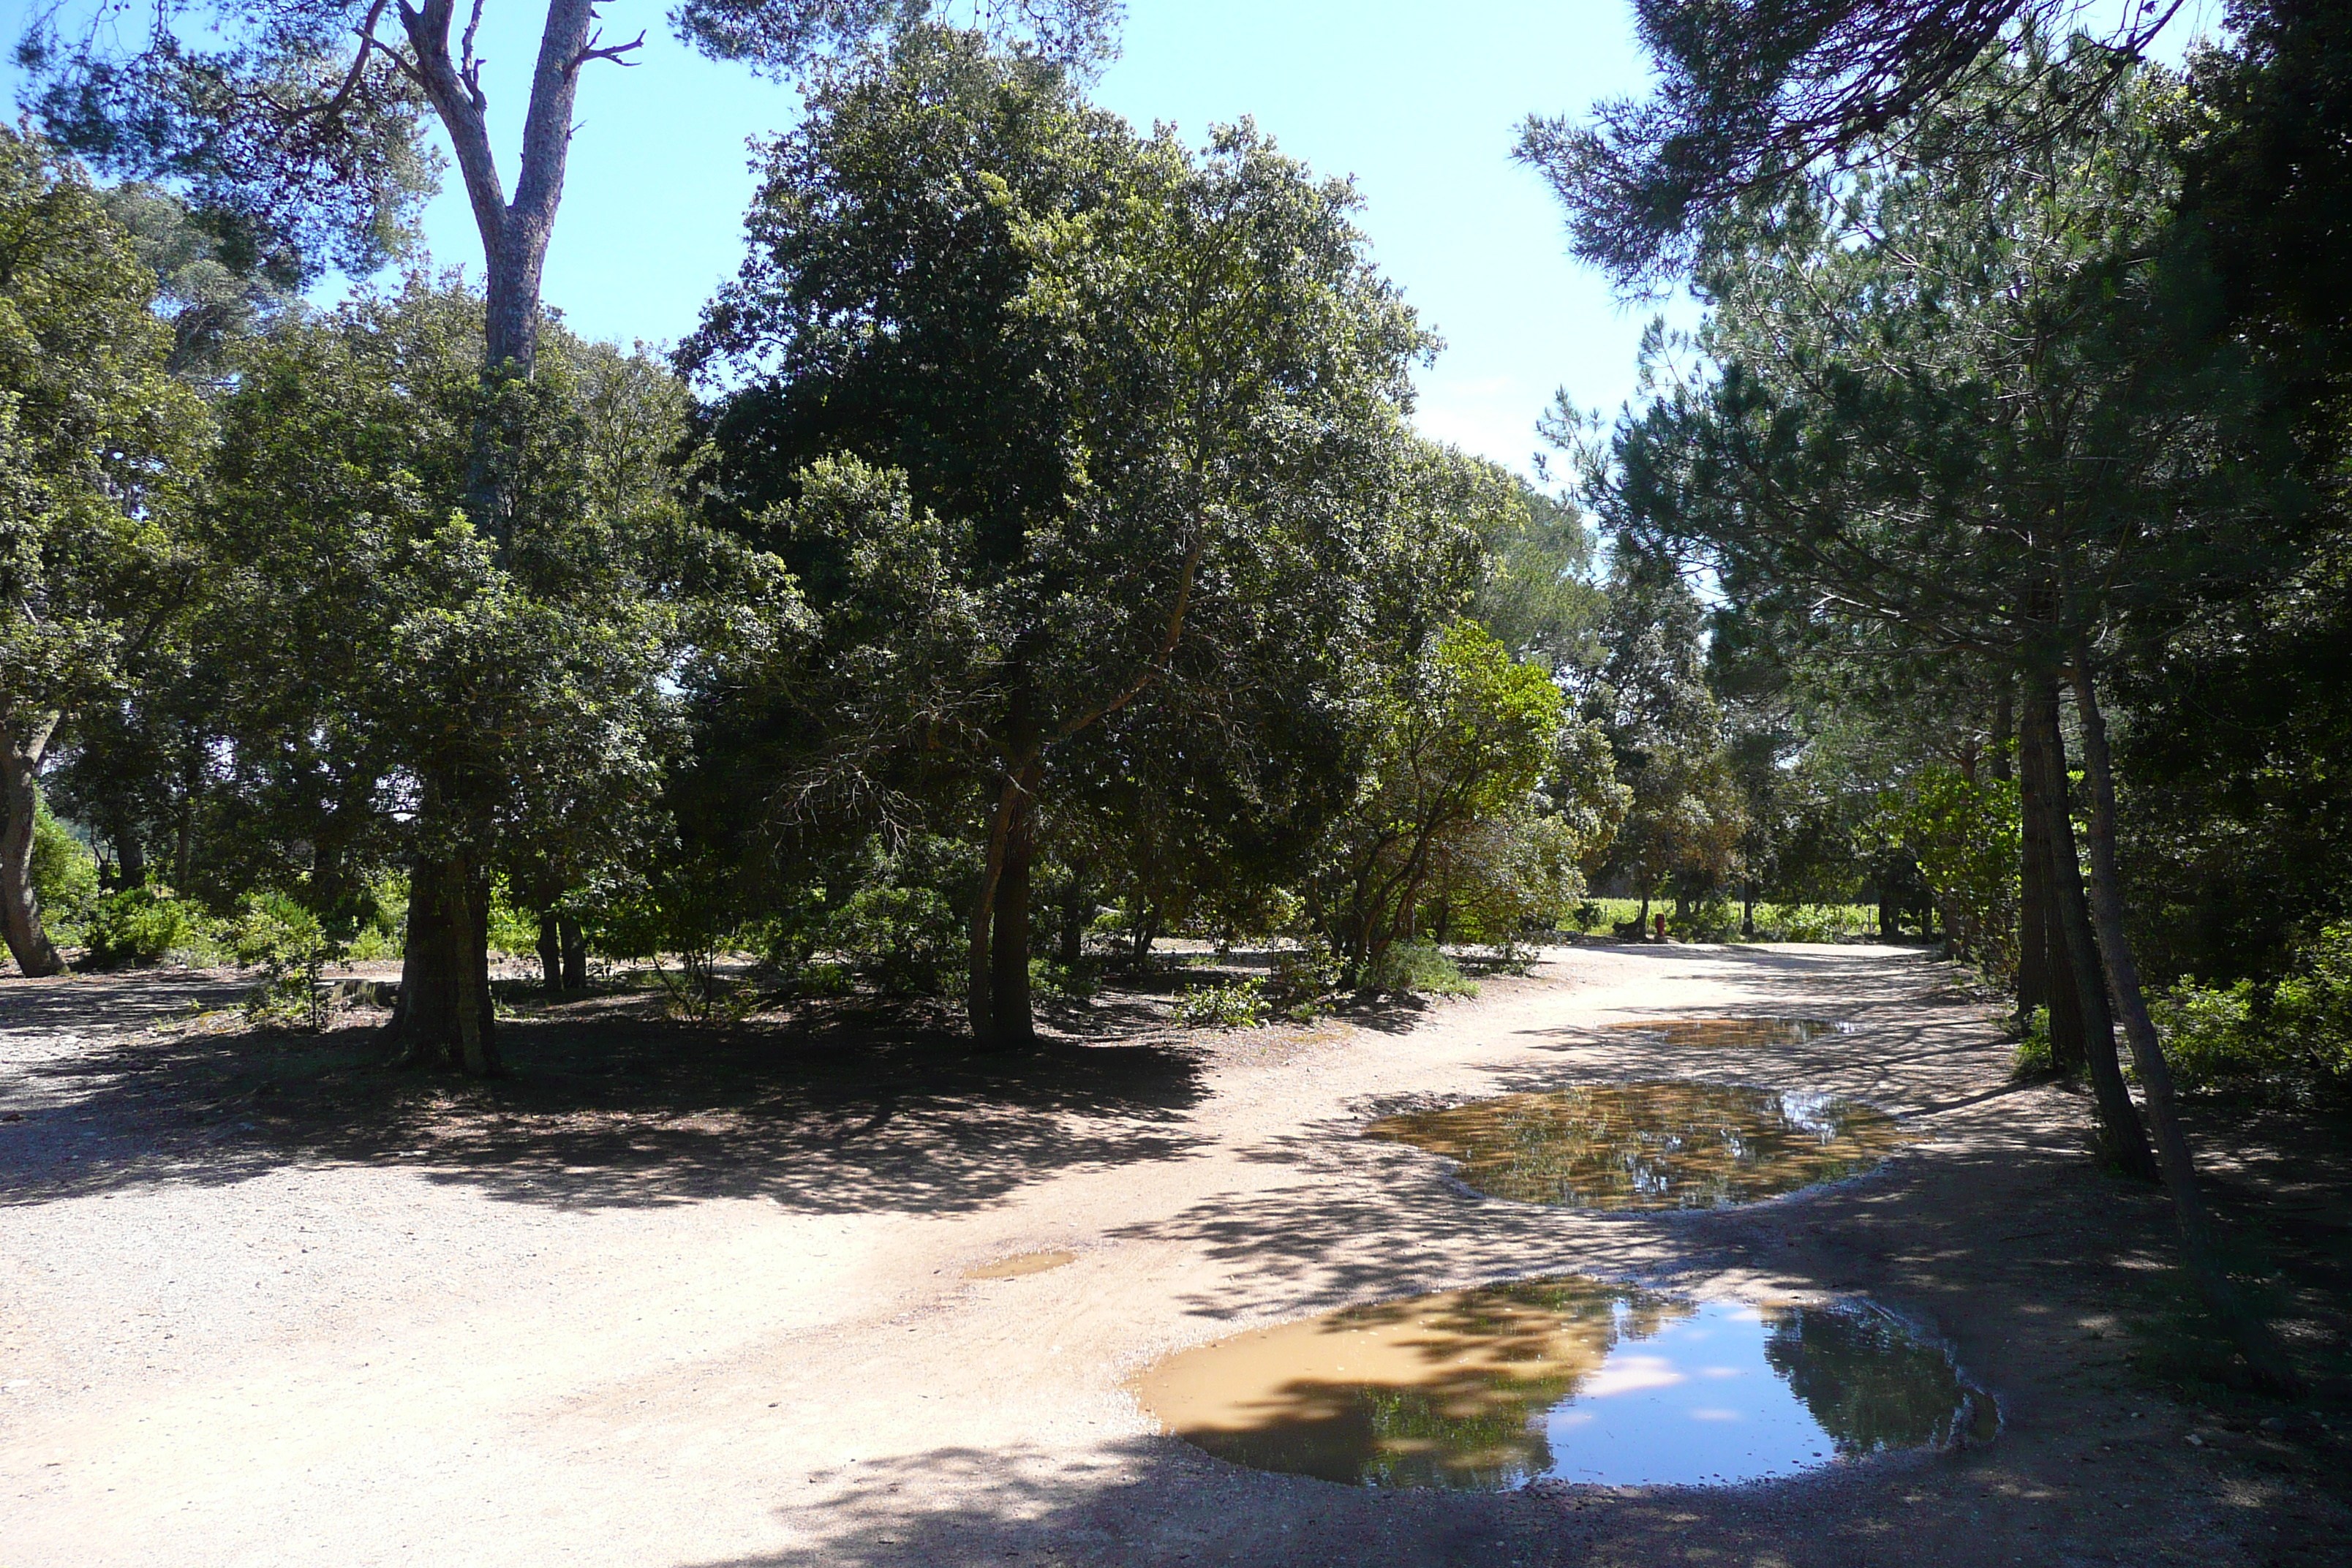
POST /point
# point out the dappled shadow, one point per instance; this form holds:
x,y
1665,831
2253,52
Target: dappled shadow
x,y
596,1112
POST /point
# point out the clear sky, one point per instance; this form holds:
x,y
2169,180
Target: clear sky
x,y
1419,102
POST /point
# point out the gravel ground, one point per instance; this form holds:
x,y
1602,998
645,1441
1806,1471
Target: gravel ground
x,y
675,1297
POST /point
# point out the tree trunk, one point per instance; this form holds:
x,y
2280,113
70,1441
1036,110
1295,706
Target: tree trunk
x,y
23,744
2033,897
1077,912
2125,1142
2256,1342
575,954
130,857
1010,1020
444,1018
551,954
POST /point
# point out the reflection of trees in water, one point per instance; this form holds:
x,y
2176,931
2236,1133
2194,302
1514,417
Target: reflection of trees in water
x,y
1497,1357
1650,1145
1868,1384
1479,1429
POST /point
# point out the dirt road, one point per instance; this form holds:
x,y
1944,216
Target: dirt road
x,y
652,1302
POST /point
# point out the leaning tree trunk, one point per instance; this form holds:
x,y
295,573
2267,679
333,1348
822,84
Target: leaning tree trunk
x,y
2256,1342
2125,1142
23,743
445,1018
2045,972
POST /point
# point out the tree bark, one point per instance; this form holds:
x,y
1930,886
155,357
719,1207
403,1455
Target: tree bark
x,y
575,954
2120,1131
2045,972
23,744
444,1018
551,954
2256,1342
1011,1019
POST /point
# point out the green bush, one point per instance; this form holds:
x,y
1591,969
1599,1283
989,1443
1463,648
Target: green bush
x,y
273,932
140,926
1241,1005
2295,1033
65,878
2032,1057
902,939
1418,968
1051,978
1301,975
1710,922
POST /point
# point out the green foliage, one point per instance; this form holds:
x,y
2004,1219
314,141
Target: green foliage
x,y
2294,1036
277,933
140,926
2033,1055
1233,1004
1711,919
1812,922
65,875
903,940
1417,969
1966,837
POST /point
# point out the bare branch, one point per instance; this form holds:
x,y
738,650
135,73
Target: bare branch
x,y
598,51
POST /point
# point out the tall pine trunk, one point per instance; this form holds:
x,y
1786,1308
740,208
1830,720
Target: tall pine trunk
x,y
23,744
2256,1342
2124,1141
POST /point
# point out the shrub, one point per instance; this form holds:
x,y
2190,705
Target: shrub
x,y
1241,1005
278,934
2297,1033
140,926
1710,921
1304,974
1051,978
1418,968
903,939
65,878
2033,1058
1587,914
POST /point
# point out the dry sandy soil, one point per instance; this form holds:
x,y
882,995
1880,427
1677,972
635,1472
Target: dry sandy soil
x,y
677,1298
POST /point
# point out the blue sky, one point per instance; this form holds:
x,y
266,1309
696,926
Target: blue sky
x,y
1419,102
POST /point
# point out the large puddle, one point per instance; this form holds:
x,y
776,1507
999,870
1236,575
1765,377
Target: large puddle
x,y
1738,1032
1674,1145
1574,1378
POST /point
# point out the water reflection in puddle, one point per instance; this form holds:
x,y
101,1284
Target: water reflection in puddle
x,y
1737,1031
1020,1263
1651,1145
1571,1379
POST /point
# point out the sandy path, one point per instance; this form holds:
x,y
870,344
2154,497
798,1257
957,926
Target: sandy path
x,y
232,1351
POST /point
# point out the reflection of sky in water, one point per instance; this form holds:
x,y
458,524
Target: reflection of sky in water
x,y
1695,1402
1571,1379
1822,1115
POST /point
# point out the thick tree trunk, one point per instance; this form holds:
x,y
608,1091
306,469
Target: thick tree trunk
x,y
2045,972
23,744
2256,1342
575,954
2120,1131
130,857
551,954
1011,1019
444,1016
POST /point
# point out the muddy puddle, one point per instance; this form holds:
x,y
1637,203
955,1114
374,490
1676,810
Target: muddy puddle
x,y
1569,1379
1737,1032
1672,1145
1020,1263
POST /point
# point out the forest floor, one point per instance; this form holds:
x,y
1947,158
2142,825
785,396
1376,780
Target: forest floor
x,y
677,1296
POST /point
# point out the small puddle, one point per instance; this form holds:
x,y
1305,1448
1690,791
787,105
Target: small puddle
x,y
1020,1263
1571,1379
1738,1032
1676,1146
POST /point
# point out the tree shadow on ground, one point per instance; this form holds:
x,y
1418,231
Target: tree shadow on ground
x,y
859,1115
